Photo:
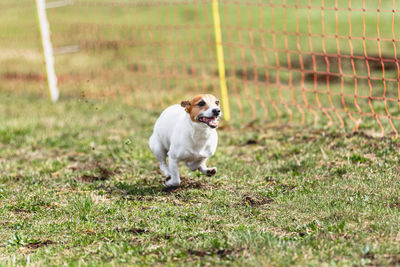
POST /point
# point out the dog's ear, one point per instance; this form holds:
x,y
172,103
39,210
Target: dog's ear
x,y
186,104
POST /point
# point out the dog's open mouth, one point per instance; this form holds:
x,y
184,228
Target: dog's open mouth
x,y
210,121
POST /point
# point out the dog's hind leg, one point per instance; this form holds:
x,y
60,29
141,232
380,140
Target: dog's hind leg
x,y
207,171
161,154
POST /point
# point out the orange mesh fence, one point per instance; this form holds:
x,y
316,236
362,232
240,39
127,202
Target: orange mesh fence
x,y
333,62
145,53
325,62
21,66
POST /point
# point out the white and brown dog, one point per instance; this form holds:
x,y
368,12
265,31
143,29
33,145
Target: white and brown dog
x,y
186,132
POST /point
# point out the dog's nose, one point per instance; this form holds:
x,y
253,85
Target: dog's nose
x,y
216,111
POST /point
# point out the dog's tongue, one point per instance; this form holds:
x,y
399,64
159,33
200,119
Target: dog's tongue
x,y
210,121
213,122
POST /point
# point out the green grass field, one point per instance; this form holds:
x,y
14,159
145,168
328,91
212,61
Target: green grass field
x,y
79,186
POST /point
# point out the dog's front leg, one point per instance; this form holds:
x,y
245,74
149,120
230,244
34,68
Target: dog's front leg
x,y
175,180
207,171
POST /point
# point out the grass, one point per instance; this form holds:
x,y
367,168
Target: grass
x,y
79,186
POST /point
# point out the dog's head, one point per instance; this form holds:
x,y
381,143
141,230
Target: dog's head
x,y
203,109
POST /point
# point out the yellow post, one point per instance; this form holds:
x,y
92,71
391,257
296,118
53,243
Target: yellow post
x,y
220,58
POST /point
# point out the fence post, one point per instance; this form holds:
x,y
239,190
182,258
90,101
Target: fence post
x,y
220,58
47,49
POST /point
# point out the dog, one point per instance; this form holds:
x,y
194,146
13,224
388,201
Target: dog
x,y
186,132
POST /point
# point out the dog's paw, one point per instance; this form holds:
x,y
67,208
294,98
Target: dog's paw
x,y
211,171
172,183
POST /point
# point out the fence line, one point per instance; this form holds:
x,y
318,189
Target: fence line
x,y
291,61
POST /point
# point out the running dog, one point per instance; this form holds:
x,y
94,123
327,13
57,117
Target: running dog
x,y
186,132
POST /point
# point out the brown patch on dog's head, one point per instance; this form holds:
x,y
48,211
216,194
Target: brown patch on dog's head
x,y
199,104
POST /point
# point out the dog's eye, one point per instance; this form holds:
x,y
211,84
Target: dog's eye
x,y
217,102
201,103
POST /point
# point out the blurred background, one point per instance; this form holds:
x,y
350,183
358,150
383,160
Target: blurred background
x,y
287,62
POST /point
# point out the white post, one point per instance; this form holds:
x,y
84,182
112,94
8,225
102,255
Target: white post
x,y
48,49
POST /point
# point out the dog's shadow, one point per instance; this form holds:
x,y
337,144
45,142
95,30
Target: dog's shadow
x,y
143,190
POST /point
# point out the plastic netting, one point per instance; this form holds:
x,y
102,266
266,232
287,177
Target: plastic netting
x,y
295,61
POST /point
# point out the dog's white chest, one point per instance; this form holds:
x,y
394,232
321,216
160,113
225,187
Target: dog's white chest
x,y
199,147
201,151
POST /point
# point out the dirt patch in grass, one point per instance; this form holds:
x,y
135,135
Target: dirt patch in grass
x,y
190,184
255,201
369,255
252,142
220,252
17,178
163,237
39,244
91,178
101,173
21,210
287,187
135,231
